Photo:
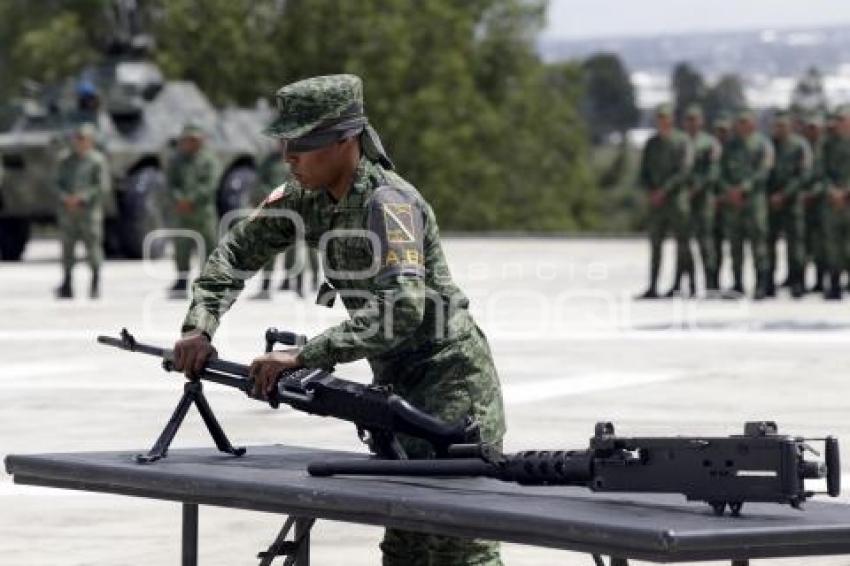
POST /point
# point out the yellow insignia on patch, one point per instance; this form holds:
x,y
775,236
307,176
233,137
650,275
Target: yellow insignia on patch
x,y
392,258
411,256
398,219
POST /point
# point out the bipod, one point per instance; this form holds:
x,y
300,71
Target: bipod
x,y
193,394
296,551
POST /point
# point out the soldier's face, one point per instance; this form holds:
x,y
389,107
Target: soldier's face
x,y
318,168
811,131
82,144
744,127
693,124
189,145
844,126
781,129
664,123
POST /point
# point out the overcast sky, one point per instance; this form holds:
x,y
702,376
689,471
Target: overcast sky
x,y
575,19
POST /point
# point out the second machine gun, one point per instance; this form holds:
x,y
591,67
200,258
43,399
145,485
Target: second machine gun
x,y
758,466
378,413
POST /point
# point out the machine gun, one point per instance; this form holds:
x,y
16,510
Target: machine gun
x,y
760,465
378,413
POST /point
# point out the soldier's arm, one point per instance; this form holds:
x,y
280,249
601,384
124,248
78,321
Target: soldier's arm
x,y
712,174
396,306
644,178
98,185
204,192
762,171
684,166
240,254
804,170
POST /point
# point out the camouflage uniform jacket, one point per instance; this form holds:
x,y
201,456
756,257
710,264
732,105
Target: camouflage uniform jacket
x,y
836,163
194,178
383,255
747,163
793,166
706,169
815,185
666,162
86,177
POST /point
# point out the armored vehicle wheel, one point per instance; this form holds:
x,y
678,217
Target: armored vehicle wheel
x,y
14,235
140,212
236,188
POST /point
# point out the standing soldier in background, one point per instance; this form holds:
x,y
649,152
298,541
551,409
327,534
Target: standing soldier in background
x,y
813,201
790,174
272,173
82,182
703,186
836,218
665,165
192,179
722,128
745,167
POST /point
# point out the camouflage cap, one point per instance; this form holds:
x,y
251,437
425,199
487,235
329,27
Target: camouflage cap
x,y
842,111
814,119
722,121
693,111
85,130
664,109
319,105
782,116
192,130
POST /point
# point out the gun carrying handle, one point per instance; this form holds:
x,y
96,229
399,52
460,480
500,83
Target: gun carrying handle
x,y
275,336
833,467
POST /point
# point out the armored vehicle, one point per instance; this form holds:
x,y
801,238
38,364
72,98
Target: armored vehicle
x,y
138,114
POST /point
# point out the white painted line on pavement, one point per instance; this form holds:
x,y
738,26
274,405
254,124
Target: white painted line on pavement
x,y
35,369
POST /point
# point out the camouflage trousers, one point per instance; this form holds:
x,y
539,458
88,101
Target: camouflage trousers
x,y
703,212
836,232
670,219
814,231
747,223
450,381
204,228
81,226
788,222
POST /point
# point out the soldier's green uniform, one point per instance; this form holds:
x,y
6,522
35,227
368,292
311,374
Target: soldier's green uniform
x,y
385,260
790,175
746,164
702,184
665,165
87,177
722,128
813,201
836,217
193,177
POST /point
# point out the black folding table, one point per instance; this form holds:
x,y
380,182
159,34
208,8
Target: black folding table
x,y
656,528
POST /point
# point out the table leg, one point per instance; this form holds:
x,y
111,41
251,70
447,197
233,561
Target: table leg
x,y
190,534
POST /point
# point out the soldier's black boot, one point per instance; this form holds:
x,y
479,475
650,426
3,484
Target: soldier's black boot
x,y
798,288
738,278
94,288
284,285
692,284
770,285
761,286
833,293
712,281
64,291
299,285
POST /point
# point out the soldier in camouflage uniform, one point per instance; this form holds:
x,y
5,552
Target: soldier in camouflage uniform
x,y
82,182
192,177
702,185
790,174
384,259
722,129
813,200
272,173
745,166
664,169
836,217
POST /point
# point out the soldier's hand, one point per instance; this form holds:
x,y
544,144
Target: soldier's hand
x,y
837,197
192,352
777,200
184,206
73,202
657,198
266,369
736,197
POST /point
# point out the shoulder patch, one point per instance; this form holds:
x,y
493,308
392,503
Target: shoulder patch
x,y
398,220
